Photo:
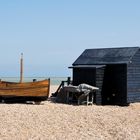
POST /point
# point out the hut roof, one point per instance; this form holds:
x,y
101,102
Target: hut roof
x,y
106,56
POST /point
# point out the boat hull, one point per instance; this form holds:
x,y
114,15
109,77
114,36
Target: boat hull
x,y
36,91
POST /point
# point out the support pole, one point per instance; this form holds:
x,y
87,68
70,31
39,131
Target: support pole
x,y
21,68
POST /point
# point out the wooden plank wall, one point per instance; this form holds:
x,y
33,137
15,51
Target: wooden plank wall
x,y
133,79
99,84
84,76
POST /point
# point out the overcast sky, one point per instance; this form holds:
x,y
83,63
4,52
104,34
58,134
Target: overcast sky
x,y
53,33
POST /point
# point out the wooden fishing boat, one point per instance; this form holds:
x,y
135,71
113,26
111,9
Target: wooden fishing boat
x,y
24,91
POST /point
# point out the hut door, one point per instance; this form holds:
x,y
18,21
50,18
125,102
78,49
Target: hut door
x,y
114,87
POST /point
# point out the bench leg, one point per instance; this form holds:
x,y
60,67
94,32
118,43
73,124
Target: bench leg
x,y
67,97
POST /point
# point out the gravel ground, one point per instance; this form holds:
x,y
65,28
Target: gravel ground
x,y
53,121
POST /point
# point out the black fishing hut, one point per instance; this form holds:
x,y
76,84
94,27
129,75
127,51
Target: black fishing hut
x,y
116,71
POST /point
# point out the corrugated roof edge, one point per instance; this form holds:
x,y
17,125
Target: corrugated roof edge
x,y
88,66
136,47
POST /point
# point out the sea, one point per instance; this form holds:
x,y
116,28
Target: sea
x,y
53,80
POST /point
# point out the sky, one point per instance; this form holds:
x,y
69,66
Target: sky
x,y
53,33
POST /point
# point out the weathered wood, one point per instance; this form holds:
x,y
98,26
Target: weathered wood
x,y
21,68
99,84
133,79
28,89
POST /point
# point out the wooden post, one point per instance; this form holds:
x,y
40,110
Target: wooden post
x,y
21,68
69,81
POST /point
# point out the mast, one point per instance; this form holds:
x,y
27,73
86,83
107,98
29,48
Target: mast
x,y
21,68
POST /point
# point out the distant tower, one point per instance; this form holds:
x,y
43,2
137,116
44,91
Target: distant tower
x,y
21,68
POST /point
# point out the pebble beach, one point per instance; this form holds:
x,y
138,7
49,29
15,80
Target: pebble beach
x,y
55,121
